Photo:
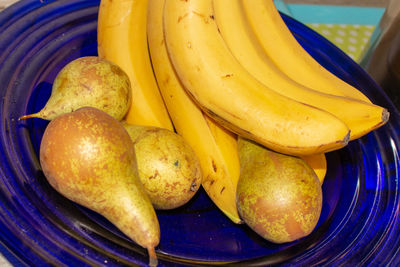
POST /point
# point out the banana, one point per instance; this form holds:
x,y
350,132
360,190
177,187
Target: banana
x,y
279,43
318,163
359,116
122,39
234,98
214,145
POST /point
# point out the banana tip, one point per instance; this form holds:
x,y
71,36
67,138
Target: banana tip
x,y
346,139
385,115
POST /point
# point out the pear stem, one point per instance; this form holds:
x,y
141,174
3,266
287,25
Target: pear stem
x,y
152,257
28,116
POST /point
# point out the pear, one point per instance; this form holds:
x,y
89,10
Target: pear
x,y
168,167
278,196
88,81
86,156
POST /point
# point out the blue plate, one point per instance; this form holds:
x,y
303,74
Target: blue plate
x,y
360,217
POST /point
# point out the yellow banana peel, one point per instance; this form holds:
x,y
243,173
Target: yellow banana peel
x,y
122,39
215,146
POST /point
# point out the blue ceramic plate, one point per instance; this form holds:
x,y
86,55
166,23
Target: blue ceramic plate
x,y
360,216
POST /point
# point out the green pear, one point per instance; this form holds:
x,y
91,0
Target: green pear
x,y
278,196
168,167
88,81
86,156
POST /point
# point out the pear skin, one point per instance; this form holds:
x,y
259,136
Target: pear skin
x,y
86,156
278,196
168,167
88,81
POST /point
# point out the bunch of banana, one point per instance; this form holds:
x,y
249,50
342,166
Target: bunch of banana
x,y
215,146
207,69
235,98
282,47
122,39
242,42
335,97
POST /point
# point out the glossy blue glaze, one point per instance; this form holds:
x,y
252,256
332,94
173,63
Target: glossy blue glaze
x,y
360,217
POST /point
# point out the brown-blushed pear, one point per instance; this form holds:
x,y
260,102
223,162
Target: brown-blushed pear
x,y
86,156
278,196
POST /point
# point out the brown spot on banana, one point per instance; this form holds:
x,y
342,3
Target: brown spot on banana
x,y
166,80
214,165
208,180
182,17
204,17
222,190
